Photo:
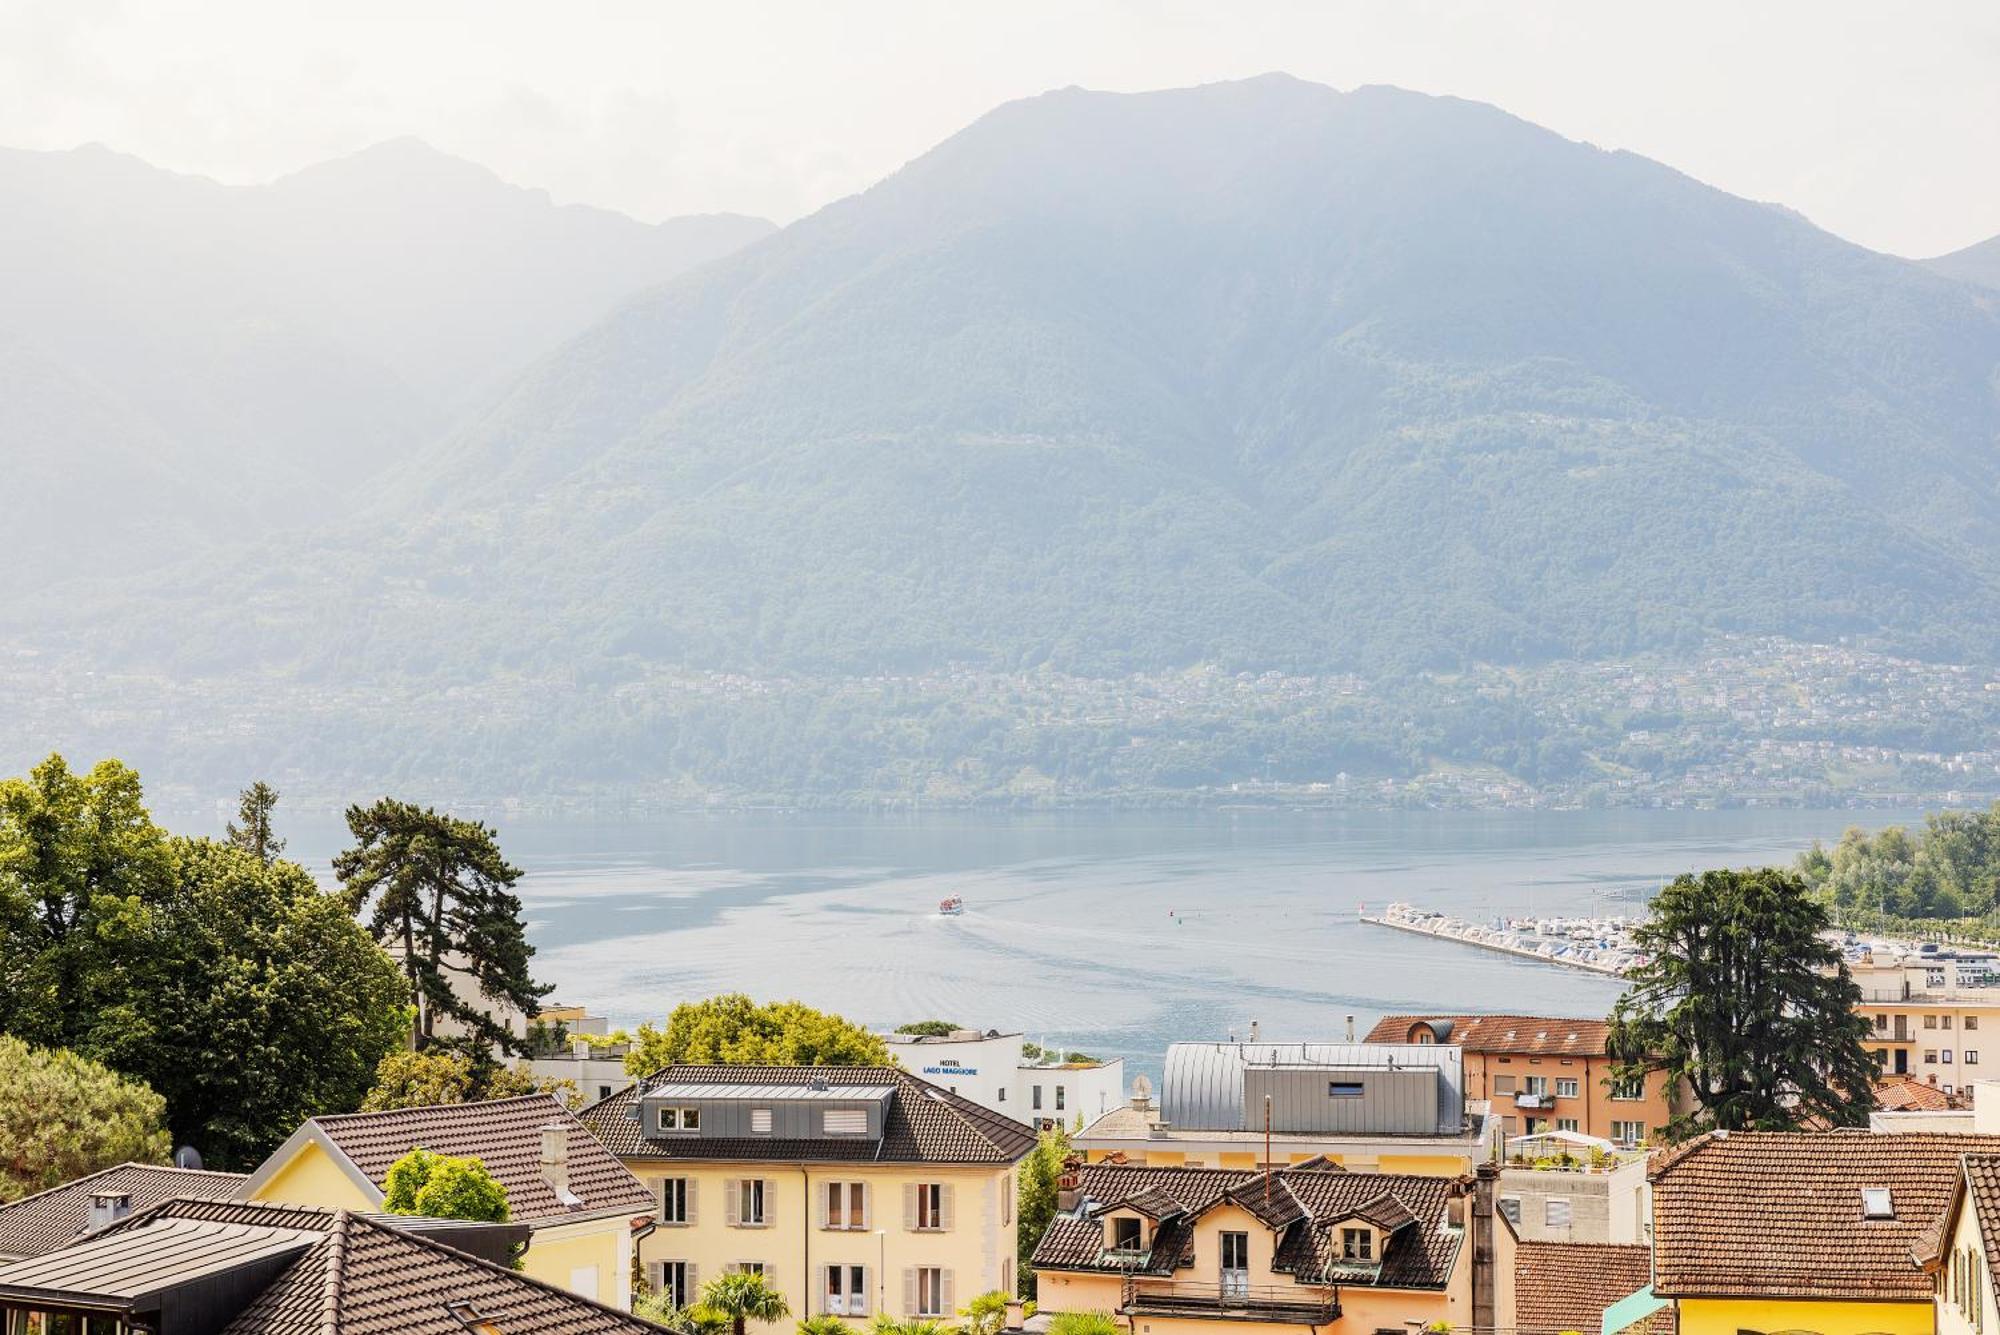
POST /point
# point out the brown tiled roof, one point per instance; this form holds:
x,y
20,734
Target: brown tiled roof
x,y
36,1225
1779,1213
1902,1093
1533,1035
1565,1286
505,1136
1305,1205
924,1123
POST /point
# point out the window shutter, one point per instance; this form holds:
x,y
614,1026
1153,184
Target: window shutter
x,y
656,1275
1007,1200
947,1304
825,1192
867,1205
910,1206
909,1290
945,1210
770,1274
732,1191
692,1184
859,1303
693,1273
664,1185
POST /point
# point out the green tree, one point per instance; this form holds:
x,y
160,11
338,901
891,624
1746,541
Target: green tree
x,y
732,1030
254,835
406,1079
1040,1174
927,1028
249,998
744,1297
444,1187
986,1314
62,1116
1744,1001
79,854
1085,1323
443,904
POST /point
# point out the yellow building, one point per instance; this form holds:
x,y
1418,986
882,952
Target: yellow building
x,y
1954,1251
1803,1231
855,1191
1181,1251
577,1200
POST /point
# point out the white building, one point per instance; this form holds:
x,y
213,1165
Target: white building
x,y
993,1070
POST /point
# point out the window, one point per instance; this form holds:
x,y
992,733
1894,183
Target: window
x,y
1566,1124
1972,1022
1510,1206
1035,1098
1945,1056
1003,1099
1944,1022
680,1119
675,1279
748,1267
674,1195
931,1299
760,1121
927,1206
1357,1244
1930,1056
1535,1084
1059,1098
1876,1203
750,1202
1629,1091
1503,1084
1972,1056
1930,1022
604,1091
1566,1089
846,1205
847,1290
845,1121
1125,1235
1555,1212
1881,1022
1343,1089
1628,1134
1235,1254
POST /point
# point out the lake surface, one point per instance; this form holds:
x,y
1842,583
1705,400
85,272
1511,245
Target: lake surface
x,y
1116,933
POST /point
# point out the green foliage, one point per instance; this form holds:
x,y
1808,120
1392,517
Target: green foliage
x,y
1084,1323
1949,869
884,1324
442,903
928,1028
1744,1001
694,1319
986,1314
62,1116
1036,1052
444,1187
243,994
1035,1200
743,1297
255,835
824,1325
732,1030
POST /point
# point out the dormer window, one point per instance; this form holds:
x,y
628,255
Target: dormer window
x,y
1357,1244
1125,1235
680,1119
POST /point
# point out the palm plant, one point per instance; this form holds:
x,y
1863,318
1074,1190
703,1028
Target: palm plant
x,y
885,1324
824,1325
742,1297
1085,1323
985,1314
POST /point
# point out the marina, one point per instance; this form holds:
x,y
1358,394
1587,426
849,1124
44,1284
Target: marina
x,y
1594,945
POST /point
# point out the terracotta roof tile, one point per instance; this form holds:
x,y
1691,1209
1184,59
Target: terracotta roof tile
x,y
1534,1035
925,1123
1779,1214
1902,1093
1565,1286
505,1136
39,1224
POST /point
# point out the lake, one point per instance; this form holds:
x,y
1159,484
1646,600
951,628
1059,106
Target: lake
x,y
1115,933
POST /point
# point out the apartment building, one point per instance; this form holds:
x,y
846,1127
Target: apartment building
x,y
856,1191
1391,1108
1933,1015
994,1070
1542,1073
1189,1251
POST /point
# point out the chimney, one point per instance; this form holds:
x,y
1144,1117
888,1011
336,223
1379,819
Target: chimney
x,y
1484,1280
1350,1028
106,1209
555,1156
1142,1094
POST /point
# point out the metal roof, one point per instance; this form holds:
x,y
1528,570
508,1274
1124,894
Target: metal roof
x,y
767,1093
120,1271
1201,1087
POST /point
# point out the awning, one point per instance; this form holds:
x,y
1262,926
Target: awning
x,y
1631,1309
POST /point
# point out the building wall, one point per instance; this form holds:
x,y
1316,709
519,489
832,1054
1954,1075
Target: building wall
x,y
558,1252
1965,1293
977,1251
1603,1207
1082,1091
1728,1316
1953,1042
1592,1108
314,1178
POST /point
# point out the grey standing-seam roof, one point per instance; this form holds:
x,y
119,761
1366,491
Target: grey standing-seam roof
x,y
121,1269
1201,1087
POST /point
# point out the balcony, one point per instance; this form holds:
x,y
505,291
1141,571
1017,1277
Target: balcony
x,y
1230,1301
1533,1101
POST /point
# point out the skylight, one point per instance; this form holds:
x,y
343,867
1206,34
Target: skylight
x,y
1875,1203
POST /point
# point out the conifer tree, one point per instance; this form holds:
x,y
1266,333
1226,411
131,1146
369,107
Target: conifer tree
x,y
255,836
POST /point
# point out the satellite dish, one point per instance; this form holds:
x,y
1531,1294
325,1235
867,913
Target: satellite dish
x,y
187,1156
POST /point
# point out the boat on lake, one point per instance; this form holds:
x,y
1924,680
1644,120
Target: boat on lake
x,y
951,906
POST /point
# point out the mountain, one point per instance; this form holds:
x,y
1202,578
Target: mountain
x,y
1977,263
1259,374
280,343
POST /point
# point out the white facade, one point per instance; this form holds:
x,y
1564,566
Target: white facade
x,y
990,1069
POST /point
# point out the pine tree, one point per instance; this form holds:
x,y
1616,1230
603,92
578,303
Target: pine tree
x,y
254,836
1748,1004
443,904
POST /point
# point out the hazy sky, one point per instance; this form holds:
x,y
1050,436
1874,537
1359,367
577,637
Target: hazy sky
x,y
1878,121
